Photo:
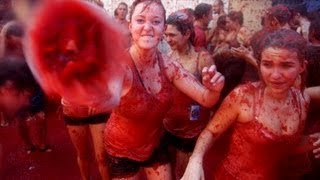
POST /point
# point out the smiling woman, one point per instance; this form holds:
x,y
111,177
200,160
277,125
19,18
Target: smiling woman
x,y
134,130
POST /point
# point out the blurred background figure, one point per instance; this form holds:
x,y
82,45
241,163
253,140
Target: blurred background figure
x,y
120,14
11,41
203,15
31,119
22,99
218,10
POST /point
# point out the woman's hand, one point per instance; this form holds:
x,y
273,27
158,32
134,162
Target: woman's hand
x,y
316,144
194,170
244,53
212,79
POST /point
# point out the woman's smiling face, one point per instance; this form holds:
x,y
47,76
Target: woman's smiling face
x,y
147,25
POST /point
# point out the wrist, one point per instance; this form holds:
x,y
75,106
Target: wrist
x,y
196,159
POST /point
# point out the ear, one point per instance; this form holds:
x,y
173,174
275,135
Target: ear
x,y
303,66
188,34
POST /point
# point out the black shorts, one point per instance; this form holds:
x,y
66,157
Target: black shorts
x,y
124,167
182,144
96,119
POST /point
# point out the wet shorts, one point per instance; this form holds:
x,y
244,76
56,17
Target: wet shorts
x,y
124,167
96,119
182,144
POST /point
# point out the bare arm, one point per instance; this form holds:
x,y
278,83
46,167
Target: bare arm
x,y
246,54
314,93
207,93
225,116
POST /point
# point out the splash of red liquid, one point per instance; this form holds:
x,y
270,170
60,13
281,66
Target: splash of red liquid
x,y
75,49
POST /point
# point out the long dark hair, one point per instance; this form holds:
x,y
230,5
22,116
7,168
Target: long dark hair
x,y
183,22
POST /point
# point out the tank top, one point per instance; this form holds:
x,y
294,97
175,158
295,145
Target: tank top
x,y
177,120
135,127
255,152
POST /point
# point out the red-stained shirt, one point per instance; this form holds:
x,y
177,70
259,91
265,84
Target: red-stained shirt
x,y
199,41
255,152
135,127
177,120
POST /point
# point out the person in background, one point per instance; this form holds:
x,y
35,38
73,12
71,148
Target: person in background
x,y
238,35
186,118
278,17
22,99
31,119
120,14
203,15
218,10
299,20
11,41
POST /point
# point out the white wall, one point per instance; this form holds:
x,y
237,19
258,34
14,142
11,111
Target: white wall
x,y
170,5
252,10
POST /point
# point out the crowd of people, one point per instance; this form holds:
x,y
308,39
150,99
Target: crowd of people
x,y
167,90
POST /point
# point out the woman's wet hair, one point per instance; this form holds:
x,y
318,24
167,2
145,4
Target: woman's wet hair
x,y
283,39
146,3
183,22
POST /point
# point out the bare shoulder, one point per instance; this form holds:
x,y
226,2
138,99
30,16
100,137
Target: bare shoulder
x,y
305,98
247,89
242,99
167,59
171,67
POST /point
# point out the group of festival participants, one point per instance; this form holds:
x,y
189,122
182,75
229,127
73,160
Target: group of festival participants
x,y
242,98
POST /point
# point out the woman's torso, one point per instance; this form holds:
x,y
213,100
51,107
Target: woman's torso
x,y
177,120
135,126
256,151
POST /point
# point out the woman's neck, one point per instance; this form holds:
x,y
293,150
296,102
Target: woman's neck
x,y
143,57
277,96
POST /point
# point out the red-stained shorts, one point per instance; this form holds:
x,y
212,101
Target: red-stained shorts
x,y
125,167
